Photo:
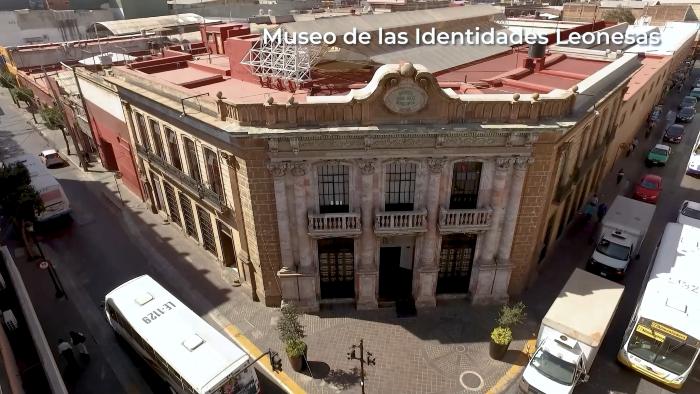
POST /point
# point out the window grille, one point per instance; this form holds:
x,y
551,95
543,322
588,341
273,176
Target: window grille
x,y
188,216
157,139
400,186
173,148
207,231
213,171
466,177
333,188
173,208
192,160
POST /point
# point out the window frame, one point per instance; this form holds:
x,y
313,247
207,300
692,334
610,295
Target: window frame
x,y
333,185
193,169
157,137
213,169
142,128
173,148
400,193
469,197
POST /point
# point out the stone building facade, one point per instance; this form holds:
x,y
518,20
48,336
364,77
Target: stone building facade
x,y
398,191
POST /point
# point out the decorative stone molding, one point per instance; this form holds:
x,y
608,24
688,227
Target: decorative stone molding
x,y
294,144
439,141
299,168
278,169
504,163
273,145
436,164
521,163
531,138
368,143
367,166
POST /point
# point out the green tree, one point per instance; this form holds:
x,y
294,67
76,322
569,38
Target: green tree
x,y
7,80
18,198
619,15
53,118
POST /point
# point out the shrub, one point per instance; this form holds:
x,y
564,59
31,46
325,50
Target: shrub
x,y
502,335
295,348
289,327
511,315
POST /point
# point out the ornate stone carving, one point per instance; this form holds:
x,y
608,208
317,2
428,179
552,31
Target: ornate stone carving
x,y
436,164
278,168
439,141
294,144
273,145
406,98
521,163
367,166
531,138
504,163
299,168
368,143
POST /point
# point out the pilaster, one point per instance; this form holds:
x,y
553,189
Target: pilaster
x,y
308,300
367,274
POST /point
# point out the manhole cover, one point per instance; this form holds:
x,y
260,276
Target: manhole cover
x,y
471,381
461,348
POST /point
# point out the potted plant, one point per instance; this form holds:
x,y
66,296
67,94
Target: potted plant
x,y
291,334
501,336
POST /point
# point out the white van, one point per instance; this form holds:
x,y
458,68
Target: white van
x,y
56,202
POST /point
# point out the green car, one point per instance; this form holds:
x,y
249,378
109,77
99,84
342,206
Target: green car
x,y
658,155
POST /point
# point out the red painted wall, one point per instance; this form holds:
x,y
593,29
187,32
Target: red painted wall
x,y
113,144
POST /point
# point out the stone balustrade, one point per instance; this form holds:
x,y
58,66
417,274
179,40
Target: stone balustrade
x,y
460,220
334,225
404,222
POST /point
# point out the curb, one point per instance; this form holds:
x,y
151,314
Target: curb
x,y
281,378
506,380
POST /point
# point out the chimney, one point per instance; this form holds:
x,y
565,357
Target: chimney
x,y
535,57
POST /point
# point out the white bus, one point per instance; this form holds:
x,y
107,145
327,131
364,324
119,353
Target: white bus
x,y
661,341
50,191
188,353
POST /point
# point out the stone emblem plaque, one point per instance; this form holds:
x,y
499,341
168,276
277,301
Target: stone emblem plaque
x,y
406,98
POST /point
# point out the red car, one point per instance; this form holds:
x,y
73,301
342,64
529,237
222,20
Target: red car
x,y
648,189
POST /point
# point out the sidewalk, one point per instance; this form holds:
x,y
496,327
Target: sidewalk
x,y
443,350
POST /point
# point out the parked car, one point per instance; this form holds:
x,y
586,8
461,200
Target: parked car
x,y
695,93
694,162
685,115
648,189
689,213
674,133
658,155
688,101
51,158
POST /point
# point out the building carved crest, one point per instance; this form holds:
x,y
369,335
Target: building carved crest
x,y
278,169
367,166
521,163
299,168
504,163
436,164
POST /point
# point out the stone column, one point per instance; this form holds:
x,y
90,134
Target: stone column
x,y
287,275
367,271
503,266
428,271
486,272
307,272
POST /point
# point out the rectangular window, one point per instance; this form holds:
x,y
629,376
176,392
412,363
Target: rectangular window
x,y
188,216
192,160
213,171
173,208
141,126
173,148
207,230
400,186
157,139
465,185
333,188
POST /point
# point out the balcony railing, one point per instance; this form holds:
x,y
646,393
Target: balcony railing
x,y
404,222
326,225
465,220
211,197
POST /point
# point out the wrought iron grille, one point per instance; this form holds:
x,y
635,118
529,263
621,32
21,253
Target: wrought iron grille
x,y
173,208
333,185
192,160
465,185
400,186
207,230
173,148
157,139
336,267
188,216
456,257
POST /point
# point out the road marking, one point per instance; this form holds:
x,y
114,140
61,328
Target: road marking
x,y
505,380
282,378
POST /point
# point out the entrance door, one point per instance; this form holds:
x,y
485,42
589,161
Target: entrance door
x,y
336,265
394,280
456,257
226,241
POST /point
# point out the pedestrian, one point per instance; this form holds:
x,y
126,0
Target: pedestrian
x,y
589,210
594,200
602,210
78,340
66,351
620,175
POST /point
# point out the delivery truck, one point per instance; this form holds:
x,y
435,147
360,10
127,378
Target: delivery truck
x,y
571,334
620,237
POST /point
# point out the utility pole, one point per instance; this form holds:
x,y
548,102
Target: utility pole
x,y
369,361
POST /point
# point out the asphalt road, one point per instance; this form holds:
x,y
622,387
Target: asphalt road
x,y
607,375
95,255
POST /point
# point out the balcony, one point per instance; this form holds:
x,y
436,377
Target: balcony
x,y
464,220
403,222
205,194
327,225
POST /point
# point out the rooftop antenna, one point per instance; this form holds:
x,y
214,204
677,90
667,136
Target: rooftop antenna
x,y
99,44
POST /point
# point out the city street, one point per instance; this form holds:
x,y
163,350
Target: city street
x,y
607,375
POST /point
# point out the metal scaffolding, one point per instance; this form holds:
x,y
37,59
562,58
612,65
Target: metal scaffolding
x,y
282,61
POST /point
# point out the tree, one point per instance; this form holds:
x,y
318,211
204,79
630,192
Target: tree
x,y
53,118
619,15
7,80
18,198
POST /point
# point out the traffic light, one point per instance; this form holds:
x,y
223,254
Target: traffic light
x,y
275,361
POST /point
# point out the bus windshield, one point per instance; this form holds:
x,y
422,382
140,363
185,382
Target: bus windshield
x,y
663,351
554,368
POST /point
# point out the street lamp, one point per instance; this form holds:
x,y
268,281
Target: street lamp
x,y
369,361
58,286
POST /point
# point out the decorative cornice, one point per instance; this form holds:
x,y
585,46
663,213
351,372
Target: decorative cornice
x,y
436,164
278,169
367,166
504,163
299,168
521,163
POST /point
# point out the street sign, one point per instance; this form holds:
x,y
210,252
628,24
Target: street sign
x,y
44,265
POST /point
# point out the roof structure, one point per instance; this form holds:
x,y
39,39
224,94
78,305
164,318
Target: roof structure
x,y
107,59
134,26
